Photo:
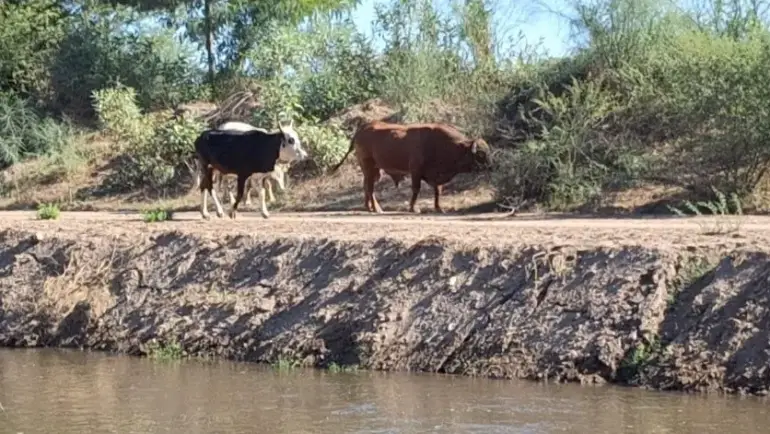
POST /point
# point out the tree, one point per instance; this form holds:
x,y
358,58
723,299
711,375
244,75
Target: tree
x,y
29,35
241,17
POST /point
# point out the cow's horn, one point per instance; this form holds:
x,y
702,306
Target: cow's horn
x,y
474,147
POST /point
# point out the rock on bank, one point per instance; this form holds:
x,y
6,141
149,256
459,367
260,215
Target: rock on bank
x,y
660,318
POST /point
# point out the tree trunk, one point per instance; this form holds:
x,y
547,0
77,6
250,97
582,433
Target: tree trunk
x,y
209,50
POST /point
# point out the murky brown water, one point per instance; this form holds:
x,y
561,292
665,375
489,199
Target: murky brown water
x,y
49,391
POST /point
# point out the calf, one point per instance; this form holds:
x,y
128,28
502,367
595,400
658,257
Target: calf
x,y
428,152
242,153
276,175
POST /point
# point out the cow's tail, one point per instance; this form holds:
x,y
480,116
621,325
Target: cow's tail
x,y
350,149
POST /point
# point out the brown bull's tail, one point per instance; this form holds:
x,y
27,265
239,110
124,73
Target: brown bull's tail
x,y
350,149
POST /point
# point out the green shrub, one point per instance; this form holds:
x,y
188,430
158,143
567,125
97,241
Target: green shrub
x,y
47,211
159,162
575,158
24,134
165,351
326,144
118,113
157,215
160,148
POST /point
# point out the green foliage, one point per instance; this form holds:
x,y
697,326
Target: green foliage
x,y
664,98
327,144
160,149
98,52
573,158
165,351
24,133
345,73
118,113
29,35
157,215
48,211
721,208
336,368
641,357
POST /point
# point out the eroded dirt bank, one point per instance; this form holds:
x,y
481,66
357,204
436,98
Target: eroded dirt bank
x,y
688,319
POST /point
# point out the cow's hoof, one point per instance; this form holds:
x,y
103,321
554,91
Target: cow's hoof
x,y
265,215
206,216
231,214
415,211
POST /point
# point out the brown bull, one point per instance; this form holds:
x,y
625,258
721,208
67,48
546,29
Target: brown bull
x,y
433,153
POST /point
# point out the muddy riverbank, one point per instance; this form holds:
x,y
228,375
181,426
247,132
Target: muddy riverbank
x,y
692,319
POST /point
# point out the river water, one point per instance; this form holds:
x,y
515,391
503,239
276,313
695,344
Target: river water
x,y
61,392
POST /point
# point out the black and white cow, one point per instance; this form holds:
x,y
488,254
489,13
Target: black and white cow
x,y
255,181
242,153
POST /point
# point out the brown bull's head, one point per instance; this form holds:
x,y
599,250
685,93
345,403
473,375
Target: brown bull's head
x,y
481,154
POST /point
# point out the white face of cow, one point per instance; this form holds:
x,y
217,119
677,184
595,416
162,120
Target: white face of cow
x,y
291,148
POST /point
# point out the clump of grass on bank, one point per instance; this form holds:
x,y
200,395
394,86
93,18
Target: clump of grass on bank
x,y
641,357
48,211
157,215
334,367
727,213
165,351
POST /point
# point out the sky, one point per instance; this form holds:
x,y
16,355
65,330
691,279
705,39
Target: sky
x,y
539,23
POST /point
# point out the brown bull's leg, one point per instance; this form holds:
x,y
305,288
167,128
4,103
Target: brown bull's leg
x,y
375,177
436,195
369,191
416,181
241,187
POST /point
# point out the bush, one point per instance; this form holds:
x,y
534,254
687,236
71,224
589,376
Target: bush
x,y
118,113
157,215
160,149
24,133
326,144
575,157
48,211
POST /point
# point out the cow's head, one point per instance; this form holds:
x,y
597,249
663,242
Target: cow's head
x,y
291,147
480,154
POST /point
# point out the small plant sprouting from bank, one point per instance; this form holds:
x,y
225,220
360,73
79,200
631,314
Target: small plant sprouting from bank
x,y
641,357
157,215
722,208
165,351
48,211
335,368
285,364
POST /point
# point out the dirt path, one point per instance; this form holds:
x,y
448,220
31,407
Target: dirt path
x,y
481,229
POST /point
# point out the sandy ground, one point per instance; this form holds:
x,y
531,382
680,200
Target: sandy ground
x,y
480,229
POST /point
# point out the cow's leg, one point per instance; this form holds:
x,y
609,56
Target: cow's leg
x,y
204,184
204,199
416,183
267,185
217,204
371,176
249,184
262,205
436,194
239,195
